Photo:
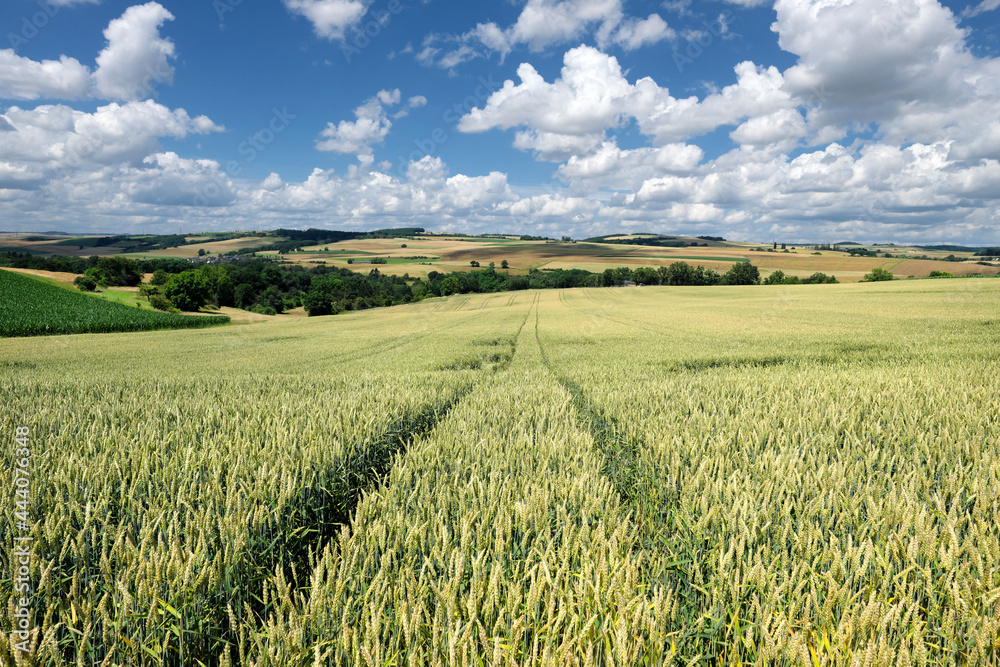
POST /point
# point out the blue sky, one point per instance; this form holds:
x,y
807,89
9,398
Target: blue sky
x,y
753,119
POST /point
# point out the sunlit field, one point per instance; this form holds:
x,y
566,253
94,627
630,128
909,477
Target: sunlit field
x,y
419,255
424,254
789,475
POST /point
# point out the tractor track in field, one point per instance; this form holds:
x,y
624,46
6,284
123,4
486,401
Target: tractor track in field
x,y
623,467
330,505
334,500
377,455
621,457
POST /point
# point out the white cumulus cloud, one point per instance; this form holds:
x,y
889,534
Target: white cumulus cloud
x,y
58,137
635,33
166,179
330,18
136,58
545,23
25,79
370,129
590,95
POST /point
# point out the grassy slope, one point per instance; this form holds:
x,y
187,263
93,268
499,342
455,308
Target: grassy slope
x,y
32,307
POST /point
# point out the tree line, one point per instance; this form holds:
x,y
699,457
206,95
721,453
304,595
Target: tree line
x,y
269,287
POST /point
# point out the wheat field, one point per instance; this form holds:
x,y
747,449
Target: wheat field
x,y
797,475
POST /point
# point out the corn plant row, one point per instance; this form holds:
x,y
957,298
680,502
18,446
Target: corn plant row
x,y
31,307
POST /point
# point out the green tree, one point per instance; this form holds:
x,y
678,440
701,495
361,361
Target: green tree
x,y
504,264
272,298
742,273
243,296
877,275
450,285
645,275
680,273
201,252
775,278
779,278
705,276
160,277
819,278
147,290
221,285
518,283
318,301
119,271
85,283
188,291
99,277
161,302
419,290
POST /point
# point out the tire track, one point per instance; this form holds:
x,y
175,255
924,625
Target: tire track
x,y
621,458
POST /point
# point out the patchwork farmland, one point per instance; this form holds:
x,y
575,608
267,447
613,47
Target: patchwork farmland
x,y
418,254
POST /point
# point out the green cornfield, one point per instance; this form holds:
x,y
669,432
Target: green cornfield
x,y
790,475
30,307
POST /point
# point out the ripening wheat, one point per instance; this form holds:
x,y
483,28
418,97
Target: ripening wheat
x,y
782,475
